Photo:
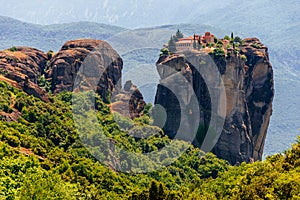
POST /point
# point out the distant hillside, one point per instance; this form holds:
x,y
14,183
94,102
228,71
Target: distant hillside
x,y
17,33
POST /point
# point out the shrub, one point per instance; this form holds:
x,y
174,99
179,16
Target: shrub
x,y
255,45
13,140
164,52
49,54
244,58
13,49
226,37
238,39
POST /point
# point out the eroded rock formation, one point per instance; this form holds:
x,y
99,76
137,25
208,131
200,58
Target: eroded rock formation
x,y
83,64
22,66
94,63
99,62
249,94
129,101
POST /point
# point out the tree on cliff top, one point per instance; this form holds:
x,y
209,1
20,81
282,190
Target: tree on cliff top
x,y
179,34
172,44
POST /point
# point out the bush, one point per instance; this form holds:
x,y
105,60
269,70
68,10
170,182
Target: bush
x,y
164,52
237,39
226,37
255,45
50,54
13,140
13,49
244,58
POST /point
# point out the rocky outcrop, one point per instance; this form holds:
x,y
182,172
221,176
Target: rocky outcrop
x,y
22,66
98,60
129,102
247,76
86,63
94,64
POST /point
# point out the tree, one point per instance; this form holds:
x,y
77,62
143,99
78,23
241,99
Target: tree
x,y
161,192
219,44
210,45
179,34
195,44
153,192
238,39
13,49
172,45
215,39
226,37
232,35
50,54
164,52
244,58
199,44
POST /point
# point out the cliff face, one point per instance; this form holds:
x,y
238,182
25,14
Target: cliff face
x,y
249,92
129,101
65,65
100,64
21,67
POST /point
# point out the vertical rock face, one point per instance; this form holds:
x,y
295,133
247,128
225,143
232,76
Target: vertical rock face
x,y
129,102
94,63
96,57
249,94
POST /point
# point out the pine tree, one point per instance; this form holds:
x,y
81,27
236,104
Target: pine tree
x,y
179,34
195,44
153,192
199,44
238,39
172,45
161,192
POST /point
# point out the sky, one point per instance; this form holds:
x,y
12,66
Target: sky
x,y
129,13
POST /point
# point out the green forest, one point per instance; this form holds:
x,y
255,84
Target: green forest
x,y
42,157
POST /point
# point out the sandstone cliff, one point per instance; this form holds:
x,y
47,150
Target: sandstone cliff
x,y
102,67
22,66
65,65
249,93
129,101
100,64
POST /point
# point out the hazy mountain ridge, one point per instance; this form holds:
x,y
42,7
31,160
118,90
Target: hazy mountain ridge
x,y
50,37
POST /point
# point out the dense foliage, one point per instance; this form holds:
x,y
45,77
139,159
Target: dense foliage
x,y
42,157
